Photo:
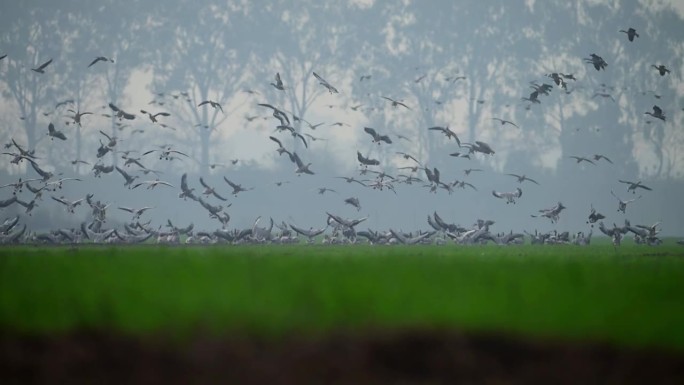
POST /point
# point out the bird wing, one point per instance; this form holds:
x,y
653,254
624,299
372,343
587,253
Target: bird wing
x,y
233,185
94,61
370,131
204,184
47,63
130,210
218,196
203,103
273,138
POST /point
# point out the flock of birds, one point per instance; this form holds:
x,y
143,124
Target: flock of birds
x,y
372,175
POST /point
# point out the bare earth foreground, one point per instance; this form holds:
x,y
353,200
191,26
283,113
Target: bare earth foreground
x,y
410,357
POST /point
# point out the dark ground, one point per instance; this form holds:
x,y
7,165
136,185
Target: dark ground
x,y
409,357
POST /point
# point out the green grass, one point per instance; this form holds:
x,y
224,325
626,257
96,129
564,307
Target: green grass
x,y
596,292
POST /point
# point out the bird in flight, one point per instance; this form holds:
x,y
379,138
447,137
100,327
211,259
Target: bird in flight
x,y
504,122
661,69
635,185
211,103
522,178
278,82
396,103
325,84
657,113
598,157
99,59
581,159
377,138
631,33
41,68
53,133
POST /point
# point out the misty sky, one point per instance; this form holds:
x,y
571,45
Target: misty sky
x,y
456,64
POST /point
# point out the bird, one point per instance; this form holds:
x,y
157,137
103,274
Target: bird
x,y
504,122
186,192
69,205
603,95
3,56
635,185
128,178
594,216
522,178
377,138
533,98
552,213
237,188
657,113
598,157
41,68
480,146
278,83
323,190
581,159
469,170
448,132
396,103
211,103
77,115
597,61
153,117
662,70
99,59
366,161
407,156
301,167
210,190
53,133
121,114
325,84
151,184
351,179
631,33
622,205
136,212
509,196
354,202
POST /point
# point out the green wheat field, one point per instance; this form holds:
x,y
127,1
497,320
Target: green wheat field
x,y
633,295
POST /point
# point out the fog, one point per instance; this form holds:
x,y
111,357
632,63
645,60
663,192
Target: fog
x,y
452,63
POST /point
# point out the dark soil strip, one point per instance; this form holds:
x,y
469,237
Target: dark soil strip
x,y
410,357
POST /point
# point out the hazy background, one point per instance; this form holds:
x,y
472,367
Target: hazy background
x,y
219,50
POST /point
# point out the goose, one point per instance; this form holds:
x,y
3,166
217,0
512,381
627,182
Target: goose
x,y
41,68
462,184
662,70
121,114
301,167
582,159
543,89
597,61
53,133
136,212
281,149
411,240
310,233
479,146
631,33
446,131
351,179
396,103
377,138
237,188
558,79
323,190
99,59
635,185
69,205
407,156
460,155
210,190
533,98
657,113
186,192
99,169
128,178
9,223
594,216
102,150
46,175
522,178
278,114
153,117
366,161
77,115
261,234
622,205
504,122
552,213
151,184
28,205
212,103
213,210
469,170
509,196
615,233
278,82
325,84
24,153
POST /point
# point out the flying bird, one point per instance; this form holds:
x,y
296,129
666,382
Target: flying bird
x,y
121,114
509,196
366,161
153,117
657,113
504,122
278,83
522,178
597,61
211,103
581,159
631,33
53,133
448,132
377,138
99,59
325,84
237,188
208,190
662,70
622,205
41,68
598,157
633,186
396,103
